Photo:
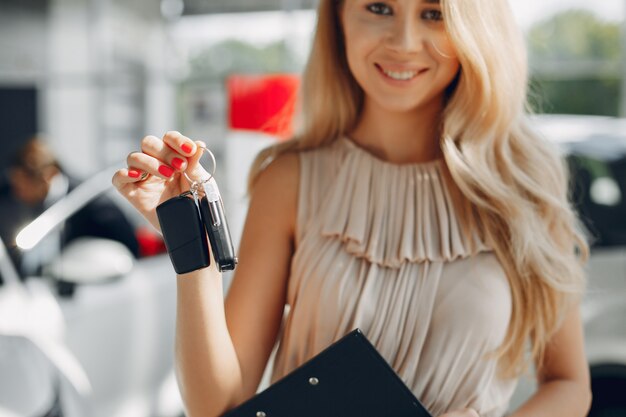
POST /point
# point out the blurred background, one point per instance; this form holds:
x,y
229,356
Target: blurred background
x,y
87,321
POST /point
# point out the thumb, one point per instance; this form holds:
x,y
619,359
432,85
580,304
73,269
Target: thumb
x,y
195,170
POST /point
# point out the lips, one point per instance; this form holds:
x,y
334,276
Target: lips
x,y
400,73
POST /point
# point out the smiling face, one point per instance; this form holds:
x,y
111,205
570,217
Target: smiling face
x,y
398,51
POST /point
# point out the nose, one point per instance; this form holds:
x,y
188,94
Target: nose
x,y
406,36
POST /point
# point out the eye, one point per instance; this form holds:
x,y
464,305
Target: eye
x,y
432,14
380,9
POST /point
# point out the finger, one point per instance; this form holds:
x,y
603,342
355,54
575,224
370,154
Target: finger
x,y
155,147
180,143
195,170
139,161
188,147
126,176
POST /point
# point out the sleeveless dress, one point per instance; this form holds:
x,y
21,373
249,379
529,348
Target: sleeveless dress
x,y
379,247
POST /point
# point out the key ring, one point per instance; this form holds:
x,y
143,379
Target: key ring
x,y
195,184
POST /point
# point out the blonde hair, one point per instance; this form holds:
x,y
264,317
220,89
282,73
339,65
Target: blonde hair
x,y
514,184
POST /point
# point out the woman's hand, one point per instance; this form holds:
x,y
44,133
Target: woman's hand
x,y
468,412
154,175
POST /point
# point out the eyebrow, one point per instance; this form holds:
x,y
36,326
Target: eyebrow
x,y
431,1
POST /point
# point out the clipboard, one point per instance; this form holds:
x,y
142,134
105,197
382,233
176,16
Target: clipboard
x,y
349,378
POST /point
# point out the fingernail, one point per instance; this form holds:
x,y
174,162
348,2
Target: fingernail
x,y
177,163
133,173
166,171
186,147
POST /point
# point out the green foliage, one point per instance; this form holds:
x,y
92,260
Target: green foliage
x,y
574,35
581,96
579,44
233,56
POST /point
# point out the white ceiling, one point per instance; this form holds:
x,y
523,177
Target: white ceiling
x,y
194,7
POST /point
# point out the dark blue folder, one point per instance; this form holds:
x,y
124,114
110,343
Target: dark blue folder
x,y
349,378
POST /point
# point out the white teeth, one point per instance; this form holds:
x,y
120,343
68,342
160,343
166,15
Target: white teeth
x,y
403,76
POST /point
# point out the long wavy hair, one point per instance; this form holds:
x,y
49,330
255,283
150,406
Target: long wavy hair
x,y
513,184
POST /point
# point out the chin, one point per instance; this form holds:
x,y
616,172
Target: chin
x,y
401,106
412,103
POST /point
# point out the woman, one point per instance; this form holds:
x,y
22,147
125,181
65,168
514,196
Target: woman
x,y
415,203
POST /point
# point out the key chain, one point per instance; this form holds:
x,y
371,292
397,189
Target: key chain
x,y
184,233
183,230
196,184
207,187
186,222
209,200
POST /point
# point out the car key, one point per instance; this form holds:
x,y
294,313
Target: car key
x,y
184,233
212,213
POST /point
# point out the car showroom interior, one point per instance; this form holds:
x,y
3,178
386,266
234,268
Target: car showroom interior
x,y
88,291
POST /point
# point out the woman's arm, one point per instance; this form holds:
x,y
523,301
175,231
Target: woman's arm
x,y
564,383
223,348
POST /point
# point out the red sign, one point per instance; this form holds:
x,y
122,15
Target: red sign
x,y
263,103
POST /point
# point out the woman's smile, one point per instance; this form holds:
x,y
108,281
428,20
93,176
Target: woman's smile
x,y
399,75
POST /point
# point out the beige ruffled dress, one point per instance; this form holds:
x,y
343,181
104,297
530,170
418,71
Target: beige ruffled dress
x,y
379,247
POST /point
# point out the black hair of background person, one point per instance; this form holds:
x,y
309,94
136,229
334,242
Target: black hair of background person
x,y
18,118
100,218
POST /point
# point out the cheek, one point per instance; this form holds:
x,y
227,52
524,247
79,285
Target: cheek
x,y
356,48
453,66
442,47
361,34
444,52
361,45
449,72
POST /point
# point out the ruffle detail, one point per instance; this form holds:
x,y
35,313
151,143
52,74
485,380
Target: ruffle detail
x,y
390,213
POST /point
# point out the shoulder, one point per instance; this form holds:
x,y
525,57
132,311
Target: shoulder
x,y
275,190
280,174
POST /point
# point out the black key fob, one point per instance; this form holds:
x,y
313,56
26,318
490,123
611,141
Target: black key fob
x,y
212,212
183,233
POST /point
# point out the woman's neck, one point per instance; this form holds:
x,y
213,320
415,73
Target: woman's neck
x,y
406,137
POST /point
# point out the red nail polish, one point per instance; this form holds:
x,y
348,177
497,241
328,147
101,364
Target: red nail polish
x,y
177,163
133,173
186,147
166,171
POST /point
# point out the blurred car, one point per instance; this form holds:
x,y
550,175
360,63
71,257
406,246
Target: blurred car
x,y
93,334
595,149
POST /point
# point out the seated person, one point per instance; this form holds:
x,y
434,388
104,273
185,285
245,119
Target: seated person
x,y
34,181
